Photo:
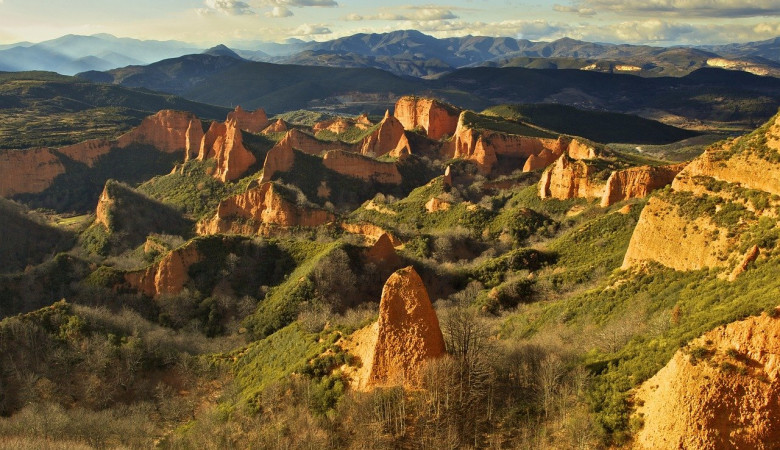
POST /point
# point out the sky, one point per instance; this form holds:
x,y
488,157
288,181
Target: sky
x,y
233,22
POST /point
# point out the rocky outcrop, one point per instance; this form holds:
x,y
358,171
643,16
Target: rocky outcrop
x,y
436,204
540,161
362,167
447,178
388,138
685,228
370,231
468,143
337,125
726,394
88,152
408,330
382,253
168,276
393,349
570,178
279,159
254,121
298,140
168,131
31,170
280,126
637,182
260,207
750,256
103,210
436,118
224,142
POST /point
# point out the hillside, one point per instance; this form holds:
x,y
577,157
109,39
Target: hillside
x,y
431,276
39,109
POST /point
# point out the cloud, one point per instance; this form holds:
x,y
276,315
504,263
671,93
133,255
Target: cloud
x,y
303,3
571,9
419,13
227,7
311,30
278,12
684,8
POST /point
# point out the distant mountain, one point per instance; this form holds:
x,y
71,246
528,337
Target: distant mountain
x,y
71,54
706,94
222,50
768,49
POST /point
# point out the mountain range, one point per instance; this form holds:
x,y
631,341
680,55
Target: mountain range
x,y
404,53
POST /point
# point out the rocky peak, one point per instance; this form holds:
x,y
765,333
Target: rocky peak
x,y
277,127
388,138
254,121
169,275
436,118
224,142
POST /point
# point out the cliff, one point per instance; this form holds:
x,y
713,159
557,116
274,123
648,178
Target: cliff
x,y
638,182
31,170
259,207
362,167
570,178
168,131
712,211
224,142
389,137
88,152
725,394
279,159
394,348
436,118
168,276
252,121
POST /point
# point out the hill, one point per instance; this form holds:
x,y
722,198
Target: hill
x,y
39,109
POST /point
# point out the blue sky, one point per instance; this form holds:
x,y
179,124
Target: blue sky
x,y
208,22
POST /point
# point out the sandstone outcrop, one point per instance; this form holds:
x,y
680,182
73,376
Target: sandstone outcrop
x,y
637,182
224,142
436,118
683,229
337,125
436,204
382,253
168,276
279,126
103,210
260,207
370,231
279,159
362,167
447,178
388,138
570,178
298,140
725,395
168,131
540,161
252,121
31,170
393,349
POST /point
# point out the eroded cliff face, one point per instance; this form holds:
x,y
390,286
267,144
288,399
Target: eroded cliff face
x,y
88,152
407,334
710,215
252,121
168,276
224,143
168,131
436,118
337,125
638,182
389,137
570,178
382,253
364,168
31,170
296,139
279,126
257,209
370,231
279,159
724,395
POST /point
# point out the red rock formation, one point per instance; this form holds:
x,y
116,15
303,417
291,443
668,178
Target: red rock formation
x,y
296,139
88,152
382,253
168,131
408,331
729,398
102,212
224,142
435,117
31,170
337,125
277,127
389,137
637,182
279,159
363,122
362,167
540,161
371,231
467,143
263,205
435,204
169,275
750,256
568,178
254,121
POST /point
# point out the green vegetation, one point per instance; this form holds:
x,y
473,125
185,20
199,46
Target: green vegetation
x,y
504,125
